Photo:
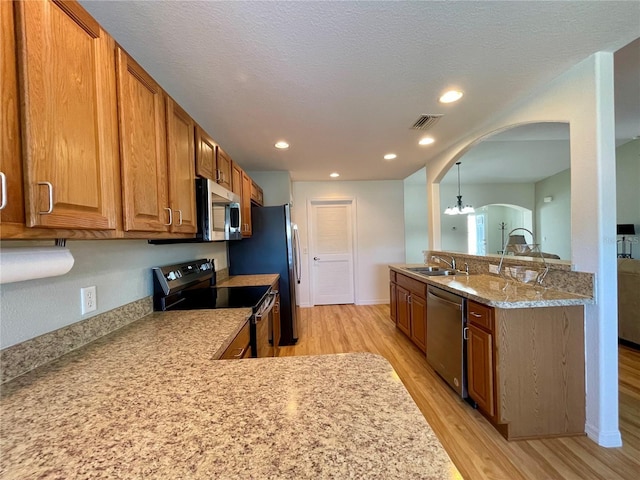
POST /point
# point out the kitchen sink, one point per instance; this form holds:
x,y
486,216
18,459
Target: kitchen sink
x,y
431,271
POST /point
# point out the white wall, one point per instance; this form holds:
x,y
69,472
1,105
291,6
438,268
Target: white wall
x,y
628,183
379,231
276,186
453,228
582,96
512,218
120,269
416,238
553,219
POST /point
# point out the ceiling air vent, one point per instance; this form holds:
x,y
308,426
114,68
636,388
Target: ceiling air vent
x,y
426,121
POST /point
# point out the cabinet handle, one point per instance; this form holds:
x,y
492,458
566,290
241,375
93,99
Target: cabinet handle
x,y
409,299
218,175
50,187
180,218
465,333
239,355
3,179
474,314
170,217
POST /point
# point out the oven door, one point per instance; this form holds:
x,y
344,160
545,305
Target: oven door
x,y
261,328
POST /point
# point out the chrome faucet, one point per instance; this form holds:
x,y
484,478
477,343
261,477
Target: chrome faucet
x,y
451,264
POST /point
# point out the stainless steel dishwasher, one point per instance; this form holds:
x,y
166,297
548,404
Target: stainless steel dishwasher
x,y
446,351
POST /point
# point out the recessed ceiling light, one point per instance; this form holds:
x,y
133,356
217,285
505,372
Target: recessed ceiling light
x,y
426,141
450,96
390,156
334,175
282,145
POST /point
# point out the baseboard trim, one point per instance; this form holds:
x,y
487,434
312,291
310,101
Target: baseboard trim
x,y
629,343
382,301
610,439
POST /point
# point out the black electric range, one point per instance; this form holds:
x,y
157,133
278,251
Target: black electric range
x,y
191,286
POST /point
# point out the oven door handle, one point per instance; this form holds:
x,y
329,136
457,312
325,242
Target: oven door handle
x,y
266,309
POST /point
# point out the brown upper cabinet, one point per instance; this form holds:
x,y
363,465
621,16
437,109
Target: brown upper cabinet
x,y
181,150
257,196
141,111
69,122
212,161
236,178
205,155
247,229
92,147
12,202
223,173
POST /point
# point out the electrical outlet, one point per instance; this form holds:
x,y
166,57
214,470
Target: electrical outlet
x,y
88,299
493,268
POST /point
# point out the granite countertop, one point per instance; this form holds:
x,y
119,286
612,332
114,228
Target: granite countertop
x,y
495,291
249,280
151,401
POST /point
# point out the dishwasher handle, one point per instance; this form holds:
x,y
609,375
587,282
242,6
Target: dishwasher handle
x,y
438,298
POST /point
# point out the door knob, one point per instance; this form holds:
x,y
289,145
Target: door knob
x,y
316,258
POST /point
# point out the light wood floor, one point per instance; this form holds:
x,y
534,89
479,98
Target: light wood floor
x,y
477,450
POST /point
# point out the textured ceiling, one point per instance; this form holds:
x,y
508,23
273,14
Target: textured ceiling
x,y
344,81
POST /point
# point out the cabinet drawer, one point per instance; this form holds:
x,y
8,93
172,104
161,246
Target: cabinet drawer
x,y
413,285
392,276
480,315
240,345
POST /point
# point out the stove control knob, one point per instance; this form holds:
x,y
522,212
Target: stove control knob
x,y
171,276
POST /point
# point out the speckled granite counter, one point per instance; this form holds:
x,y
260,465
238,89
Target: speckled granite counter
x,y
249,280
150,401
497,292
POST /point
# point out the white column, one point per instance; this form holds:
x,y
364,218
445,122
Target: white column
x,y
593,245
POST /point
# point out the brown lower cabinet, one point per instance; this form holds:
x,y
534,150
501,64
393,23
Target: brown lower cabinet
x,y
525,369
411,309
525,366
480,353
240,347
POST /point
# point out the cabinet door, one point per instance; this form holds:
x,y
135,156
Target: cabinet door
x,y
236,178
418,310
223,163
403,313
480,369
69,119
12,203
205,155
240,346
257,195
181,151
141,107
393,302
246,205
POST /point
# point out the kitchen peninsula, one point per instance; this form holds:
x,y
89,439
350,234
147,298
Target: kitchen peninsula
x,y
523,347
151,400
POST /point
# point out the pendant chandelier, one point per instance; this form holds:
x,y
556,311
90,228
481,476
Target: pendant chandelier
x,y
459,209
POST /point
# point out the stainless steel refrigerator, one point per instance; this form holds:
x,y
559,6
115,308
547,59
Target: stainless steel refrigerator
x,y
272,248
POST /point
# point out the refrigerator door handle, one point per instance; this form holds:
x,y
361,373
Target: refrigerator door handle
x,y
297,260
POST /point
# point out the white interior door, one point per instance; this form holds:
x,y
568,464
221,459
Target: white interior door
x,y
331,244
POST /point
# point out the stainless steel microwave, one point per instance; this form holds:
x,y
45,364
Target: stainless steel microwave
x,y
218,212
